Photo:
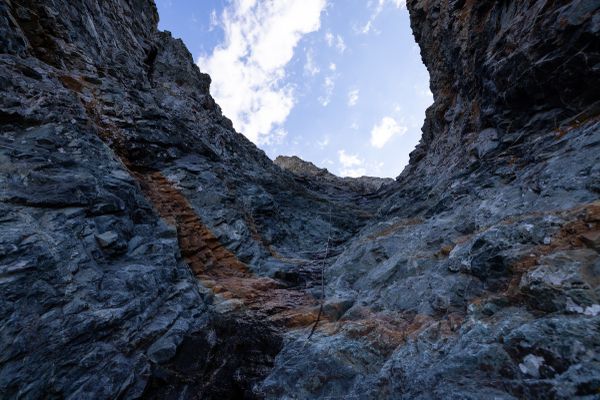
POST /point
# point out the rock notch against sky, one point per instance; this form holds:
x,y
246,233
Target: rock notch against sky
x,y
324,61
148,250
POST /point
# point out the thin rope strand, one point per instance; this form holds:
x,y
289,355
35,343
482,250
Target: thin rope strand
x,y
312,331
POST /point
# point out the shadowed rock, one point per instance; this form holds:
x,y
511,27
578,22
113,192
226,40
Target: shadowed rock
x,y
149,250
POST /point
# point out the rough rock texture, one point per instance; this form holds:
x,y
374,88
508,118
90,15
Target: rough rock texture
x,y
149,250
311,174
511,66
120,180
479,276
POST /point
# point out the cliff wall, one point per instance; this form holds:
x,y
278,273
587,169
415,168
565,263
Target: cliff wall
x,y
149,250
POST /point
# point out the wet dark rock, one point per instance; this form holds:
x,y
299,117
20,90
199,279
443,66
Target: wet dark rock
x,y
217,363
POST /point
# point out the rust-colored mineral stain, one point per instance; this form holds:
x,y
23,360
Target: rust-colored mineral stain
x,y
214,265
72,83
219,268
221,271
583,220
199,247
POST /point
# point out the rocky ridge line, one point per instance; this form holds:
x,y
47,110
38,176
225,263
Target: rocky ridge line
x,y
364,185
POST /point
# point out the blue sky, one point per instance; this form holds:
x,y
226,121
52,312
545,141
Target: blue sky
x,y
336,82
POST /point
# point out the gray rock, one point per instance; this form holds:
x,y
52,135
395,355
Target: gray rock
x,y
486,142
474,275
306,169
107,239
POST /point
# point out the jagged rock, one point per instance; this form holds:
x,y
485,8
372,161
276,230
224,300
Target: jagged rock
x,y
486,142
499,191
306,169
149,250
592,240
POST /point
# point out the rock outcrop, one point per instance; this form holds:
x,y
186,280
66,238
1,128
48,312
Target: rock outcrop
x,y
137,227
310,173
149,250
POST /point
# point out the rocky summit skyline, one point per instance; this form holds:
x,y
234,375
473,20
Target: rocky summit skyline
x,y
273,64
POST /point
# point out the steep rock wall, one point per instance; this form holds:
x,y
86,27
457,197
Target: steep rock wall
x,y
146,247
505,65
478,276
149,250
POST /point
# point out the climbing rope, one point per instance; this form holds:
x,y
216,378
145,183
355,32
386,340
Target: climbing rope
x,y
312,331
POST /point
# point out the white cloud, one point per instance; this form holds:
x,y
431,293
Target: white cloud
x,y
399,3
368,26
332,67
353,97
385,130
321,144
349,160
335,40
275,138
340,44
310,67
248,68
353,172
329,38
214,22
328,86
351,165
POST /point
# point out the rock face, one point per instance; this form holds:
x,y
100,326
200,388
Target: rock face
x,y
135,221
496,65
310,173
148,250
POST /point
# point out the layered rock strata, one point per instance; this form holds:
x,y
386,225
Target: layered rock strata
x,y
149,250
